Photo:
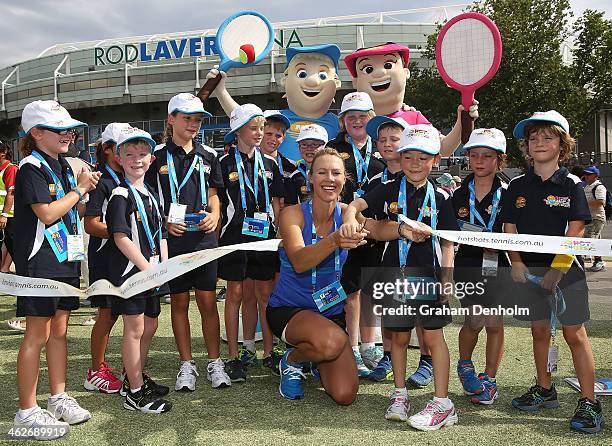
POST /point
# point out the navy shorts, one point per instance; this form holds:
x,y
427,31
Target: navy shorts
x,y
144,303
256,265
203,278
102,301
47,306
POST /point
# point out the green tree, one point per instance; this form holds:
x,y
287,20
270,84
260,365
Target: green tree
x,y
532,75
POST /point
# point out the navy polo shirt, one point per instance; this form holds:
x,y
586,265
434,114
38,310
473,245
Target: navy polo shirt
x,y
287,165
383,201
544,207
34,184
296,190
97,251
157,178
346,152
471,256
122,216
232,212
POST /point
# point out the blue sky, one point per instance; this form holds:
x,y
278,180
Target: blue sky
x,y
30,27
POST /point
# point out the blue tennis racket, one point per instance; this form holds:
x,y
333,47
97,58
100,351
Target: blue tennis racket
x,y
243,39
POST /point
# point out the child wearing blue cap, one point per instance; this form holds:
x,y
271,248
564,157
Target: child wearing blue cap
x,y
310,81
548,200
597,196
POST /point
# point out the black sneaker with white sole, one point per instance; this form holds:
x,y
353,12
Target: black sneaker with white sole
x,y
145,400
148,382
235,370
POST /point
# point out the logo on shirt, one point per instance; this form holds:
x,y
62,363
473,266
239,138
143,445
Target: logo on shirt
x,y
52,190
233,176
463,212
489,210
520,202
137,214
303,190
427,211
553,201
164,169
344,155
268,174
393,207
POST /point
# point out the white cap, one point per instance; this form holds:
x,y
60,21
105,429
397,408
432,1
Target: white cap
x,y
276,114
127,134
48,114
111,132
493,139
313,131
421,137
377,122
186,103
357,101
550,116
239,117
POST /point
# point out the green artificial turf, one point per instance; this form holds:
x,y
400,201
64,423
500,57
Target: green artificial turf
x,y
254,412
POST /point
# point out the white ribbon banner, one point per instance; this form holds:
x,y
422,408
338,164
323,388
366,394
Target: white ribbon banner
x,y
544,244
138,283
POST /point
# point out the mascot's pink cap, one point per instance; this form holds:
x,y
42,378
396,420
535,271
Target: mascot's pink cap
x,y
389,47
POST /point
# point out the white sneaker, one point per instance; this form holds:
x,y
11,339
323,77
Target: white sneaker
x,y
371,356
433,417
399,407
186,377
215,372
67,409
89,322
40,425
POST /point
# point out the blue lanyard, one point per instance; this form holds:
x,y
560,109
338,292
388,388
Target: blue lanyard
x,y
113,175
430,199
244,179
494,206
302,166
145,221
557,303
362,165
59,190
175,188
313,274
279,161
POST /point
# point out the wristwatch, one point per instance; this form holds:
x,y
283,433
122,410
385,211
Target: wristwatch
x,y
78,192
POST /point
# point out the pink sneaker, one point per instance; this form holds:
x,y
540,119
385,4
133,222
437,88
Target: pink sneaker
x,y
102,380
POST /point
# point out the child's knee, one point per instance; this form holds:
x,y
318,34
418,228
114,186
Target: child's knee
x,y
401,339
575,336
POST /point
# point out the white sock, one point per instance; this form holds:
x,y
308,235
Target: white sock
x,y
275,340
356,350
445,402
401,391
54,398
214,360
249,344
366,345
135,390
25,413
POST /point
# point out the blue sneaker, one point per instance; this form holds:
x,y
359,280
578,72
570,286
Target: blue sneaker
x,y
489,393
314,371
588,416
383,370
537,398
362,370
467,375
291,379
422,376
247,357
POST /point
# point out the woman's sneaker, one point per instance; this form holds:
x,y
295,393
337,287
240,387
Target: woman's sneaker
x,y
588,416
186,377
235,370
371,356
433,417
41,424
103,380
489,394
145,400
399,408
65,408
536,398
215,373
467,375
292,375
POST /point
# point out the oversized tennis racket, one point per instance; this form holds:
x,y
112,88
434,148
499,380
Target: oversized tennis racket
x,y
468,54
243,39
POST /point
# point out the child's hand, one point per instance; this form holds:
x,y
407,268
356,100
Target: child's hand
x,y
209,223
519,270
350,228
551,280
214,72
176,229
417,231
87,180
349,242
473,110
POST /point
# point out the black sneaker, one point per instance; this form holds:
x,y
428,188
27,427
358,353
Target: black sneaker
x,y
235,370
536,398
588,416
125,387
273,360
145,400
157,388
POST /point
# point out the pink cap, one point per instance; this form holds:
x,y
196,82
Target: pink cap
x,y
351,60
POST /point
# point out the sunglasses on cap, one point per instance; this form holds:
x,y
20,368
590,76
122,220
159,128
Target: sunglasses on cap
x,y
61,132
